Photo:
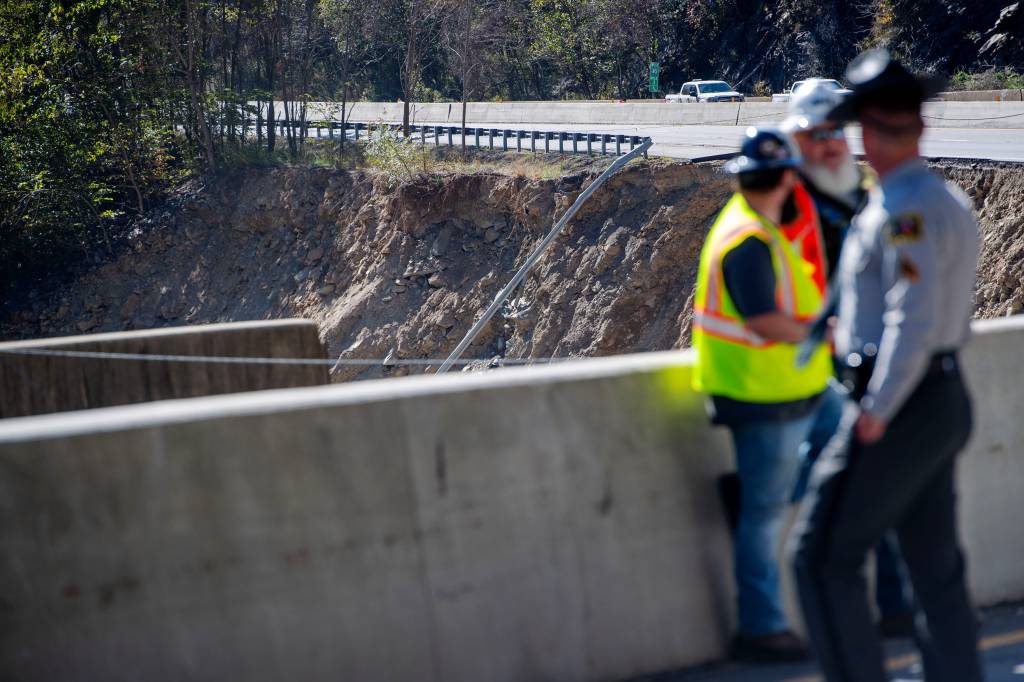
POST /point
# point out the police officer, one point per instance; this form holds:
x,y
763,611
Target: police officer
x,y
906,281
753,300
832,189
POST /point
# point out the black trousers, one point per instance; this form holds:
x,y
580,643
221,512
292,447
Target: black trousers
x,y
904,482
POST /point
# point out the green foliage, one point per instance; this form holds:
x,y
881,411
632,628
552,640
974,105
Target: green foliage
x,y
1006,78
81,143
394,155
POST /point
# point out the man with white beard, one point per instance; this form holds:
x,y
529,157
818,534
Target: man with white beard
x,y
834,182
833,189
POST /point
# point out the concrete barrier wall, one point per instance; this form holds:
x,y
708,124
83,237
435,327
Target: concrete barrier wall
x,y
36,384
983,96
546,523
945,114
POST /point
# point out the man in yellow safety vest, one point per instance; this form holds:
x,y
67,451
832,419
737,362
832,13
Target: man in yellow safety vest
x,y
755,296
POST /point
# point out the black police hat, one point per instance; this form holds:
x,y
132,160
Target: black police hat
x,y
762,149
876,78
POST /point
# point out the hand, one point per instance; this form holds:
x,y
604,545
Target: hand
x,y
830,331
869,429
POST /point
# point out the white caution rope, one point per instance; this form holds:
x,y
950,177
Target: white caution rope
x,y
247,360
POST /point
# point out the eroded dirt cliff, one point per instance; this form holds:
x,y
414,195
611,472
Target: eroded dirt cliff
x,y
405,269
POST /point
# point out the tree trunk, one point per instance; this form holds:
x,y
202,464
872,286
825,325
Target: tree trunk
x,y
195,85
344,117
466,65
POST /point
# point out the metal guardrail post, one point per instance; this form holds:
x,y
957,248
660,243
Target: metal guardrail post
x,y
590,150
533,141
575,140
561,143
547,142
476,132
535,256
437,136
604,144
519,140
504,139
618,145
450,129
490,137
330,130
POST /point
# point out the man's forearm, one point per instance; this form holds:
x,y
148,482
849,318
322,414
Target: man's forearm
x,y
777,327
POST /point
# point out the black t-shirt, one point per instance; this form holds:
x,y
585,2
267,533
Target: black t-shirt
x,y
750,279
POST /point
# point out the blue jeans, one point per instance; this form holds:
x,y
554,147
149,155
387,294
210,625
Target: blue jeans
x,y
767,461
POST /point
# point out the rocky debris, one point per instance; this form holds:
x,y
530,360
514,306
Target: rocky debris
x,y
402,271
997,191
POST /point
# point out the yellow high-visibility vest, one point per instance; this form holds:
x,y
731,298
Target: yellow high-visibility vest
x,y
732,360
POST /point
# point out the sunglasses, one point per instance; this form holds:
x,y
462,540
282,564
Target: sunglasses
x,y
823,134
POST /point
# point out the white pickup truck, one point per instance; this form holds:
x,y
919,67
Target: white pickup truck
x,y
786,94
705,91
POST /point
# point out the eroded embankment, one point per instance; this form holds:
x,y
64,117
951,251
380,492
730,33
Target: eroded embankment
x,y
407,268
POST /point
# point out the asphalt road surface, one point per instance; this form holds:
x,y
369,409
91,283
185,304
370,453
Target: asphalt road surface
x,y
709,142
1002,643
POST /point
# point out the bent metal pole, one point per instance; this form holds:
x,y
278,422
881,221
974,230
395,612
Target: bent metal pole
x,y
537,253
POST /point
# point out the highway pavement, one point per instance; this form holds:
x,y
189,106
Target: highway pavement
x,y
1002,643
705,142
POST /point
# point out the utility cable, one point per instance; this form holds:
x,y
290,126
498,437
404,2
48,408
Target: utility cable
x,y
246,360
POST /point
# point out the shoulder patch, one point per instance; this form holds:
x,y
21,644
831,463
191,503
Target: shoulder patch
x,y
908,270
906,228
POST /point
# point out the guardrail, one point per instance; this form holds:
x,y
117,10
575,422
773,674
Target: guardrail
x,y
604,143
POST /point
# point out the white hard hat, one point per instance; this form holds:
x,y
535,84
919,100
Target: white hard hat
x,y
809,105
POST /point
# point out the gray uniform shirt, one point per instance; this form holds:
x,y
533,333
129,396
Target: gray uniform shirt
x,y
906,281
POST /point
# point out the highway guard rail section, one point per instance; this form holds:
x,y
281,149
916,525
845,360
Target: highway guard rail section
x,y
581,142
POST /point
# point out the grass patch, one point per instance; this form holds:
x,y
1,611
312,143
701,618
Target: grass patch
x,y
386,152
992,79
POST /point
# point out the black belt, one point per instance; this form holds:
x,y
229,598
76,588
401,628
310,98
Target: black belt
x,y
854,372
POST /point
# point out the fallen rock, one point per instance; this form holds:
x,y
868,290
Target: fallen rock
x,y
436,281
326,290
440,245
491,235
130,306
420,269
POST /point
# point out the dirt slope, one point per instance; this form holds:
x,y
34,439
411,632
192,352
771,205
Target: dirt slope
x,y
408,268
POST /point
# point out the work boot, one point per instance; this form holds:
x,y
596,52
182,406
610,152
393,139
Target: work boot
x,y
776,647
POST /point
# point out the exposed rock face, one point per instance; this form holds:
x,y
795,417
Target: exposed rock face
x,y
998,194
405,270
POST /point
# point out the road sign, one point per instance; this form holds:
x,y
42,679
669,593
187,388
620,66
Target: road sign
x,y
655,70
